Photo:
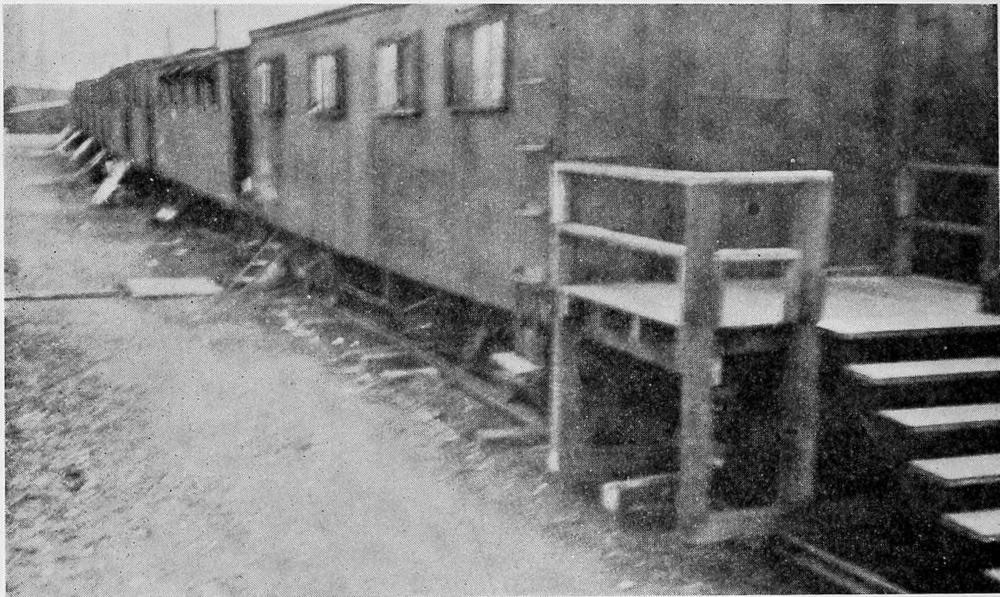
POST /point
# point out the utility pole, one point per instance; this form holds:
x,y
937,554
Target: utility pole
x,y
170,44
215,26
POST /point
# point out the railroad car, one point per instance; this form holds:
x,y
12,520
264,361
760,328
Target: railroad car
x,y
81,106
493,152
418,138
124,99
202,132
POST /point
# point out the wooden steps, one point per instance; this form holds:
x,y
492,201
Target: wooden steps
x,y
918,372
982,526
975,538
993,579
944,419
960,471
938,431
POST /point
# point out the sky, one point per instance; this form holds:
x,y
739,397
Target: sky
x,y
56,45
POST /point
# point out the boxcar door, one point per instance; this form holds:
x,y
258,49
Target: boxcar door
x,y
269,118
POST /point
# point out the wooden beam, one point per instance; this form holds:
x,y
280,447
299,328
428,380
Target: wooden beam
x,y
634,242
991,228
766,255
692,178
698,355
906,196
799,388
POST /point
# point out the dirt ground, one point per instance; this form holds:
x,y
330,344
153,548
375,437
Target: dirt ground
x,y
226,446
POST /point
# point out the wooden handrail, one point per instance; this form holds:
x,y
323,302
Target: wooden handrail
x,y
692,178
659,248
768,255
971,169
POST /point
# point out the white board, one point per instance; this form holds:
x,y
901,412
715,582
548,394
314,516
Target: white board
x,y
62,146
82,149
110,183
94,161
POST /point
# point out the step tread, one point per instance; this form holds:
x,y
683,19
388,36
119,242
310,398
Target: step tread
x,y
907,372
945,418
981,525
959,471
993,575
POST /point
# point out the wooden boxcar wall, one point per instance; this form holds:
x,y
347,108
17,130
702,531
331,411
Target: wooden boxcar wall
x,y
139,113
197,143
437,196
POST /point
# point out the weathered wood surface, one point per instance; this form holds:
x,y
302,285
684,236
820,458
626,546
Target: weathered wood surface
x,y
855,307
698,355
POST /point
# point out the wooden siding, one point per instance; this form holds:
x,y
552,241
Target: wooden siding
x,y
196,145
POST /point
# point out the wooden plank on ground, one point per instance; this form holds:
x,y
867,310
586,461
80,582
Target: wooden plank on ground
x,y
939,419
110,183
82,149
57,295
170,287
960,471
911,372
981,525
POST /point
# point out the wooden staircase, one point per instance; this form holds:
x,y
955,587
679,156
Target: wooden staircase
x,y
916,450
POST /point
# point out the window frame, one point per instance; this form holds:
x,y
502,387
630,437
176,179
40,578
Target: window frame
x,y
468,27
339,108
277,96
417,96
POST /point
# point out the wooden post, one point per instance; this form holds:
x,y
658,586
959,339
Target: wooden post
x,y
698,355
906,193
991,223
800,390
564,380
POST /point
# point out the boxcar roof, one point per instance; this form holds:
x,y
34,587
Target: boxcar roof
x,y
329,17
196,59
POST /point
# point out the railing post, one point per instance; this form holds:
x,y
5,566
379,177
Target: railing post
x,y
991,224
699,356
906,196
564,378
800,391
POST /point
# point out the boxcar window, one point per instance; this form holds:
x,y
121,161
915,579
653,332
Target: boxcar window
x,y
263,85
327,77
397,68
477,66
269,85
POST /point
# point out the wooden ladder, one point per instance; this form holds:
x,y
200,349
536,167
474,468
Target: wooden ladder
x,y
938,422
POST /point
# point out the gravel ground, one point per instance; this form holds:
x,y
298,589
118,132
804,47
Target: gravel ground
x,y
230,446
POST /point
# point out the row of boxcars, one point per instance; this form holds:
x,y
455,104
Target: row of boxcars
x,y
417,138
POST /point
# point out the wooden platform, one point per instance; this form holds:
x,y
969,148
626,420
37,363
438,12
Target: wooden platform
x,y
855,307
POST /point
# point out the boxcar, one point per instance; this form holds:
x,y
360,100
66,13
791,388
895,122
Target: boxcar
x,y
124,98
418,137
202,137
82,106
